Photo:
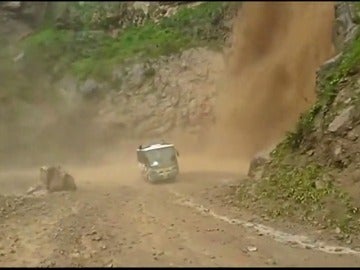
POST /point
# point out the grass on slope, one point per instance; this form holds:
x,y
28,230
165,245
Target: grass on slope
x,y
329,85
303,192
94,53
289,187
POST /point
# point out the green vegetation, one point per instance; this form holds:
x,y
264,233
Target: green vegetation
x,y
95,53
301,191
293,184
329,85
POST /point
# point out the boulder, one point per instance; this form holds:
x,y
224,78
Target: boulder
x,y
343,118
89,87
54,178
255,165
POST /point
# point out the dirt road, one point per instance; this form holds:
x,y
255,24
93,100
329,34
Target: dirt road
x,y
116,219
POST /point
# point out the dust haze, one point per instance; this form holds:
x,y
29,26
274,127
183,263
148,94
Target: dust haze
x,y
269,79
270,73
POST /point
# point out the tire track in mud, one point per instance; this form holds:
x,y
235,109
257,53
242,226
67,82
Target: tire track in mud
x,y
301,241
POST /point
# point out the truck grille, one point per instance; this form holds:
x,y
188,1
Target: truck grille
x,y
166,171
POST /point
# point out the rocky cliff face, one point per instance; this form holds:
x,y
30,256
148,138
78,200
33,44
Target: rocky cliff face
x,y
346,24
179,94
140,97
157,97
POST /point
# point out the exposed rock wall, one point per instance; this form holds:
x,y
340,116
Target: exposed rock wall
x,y
157,97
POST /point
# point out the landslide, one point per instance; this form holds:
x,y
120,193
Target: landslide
x,y
269,80
270,73
312,176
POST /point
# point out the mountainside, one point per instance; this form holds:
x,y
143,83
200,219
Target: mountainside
x,y
269,87
96,74
312,176
119,70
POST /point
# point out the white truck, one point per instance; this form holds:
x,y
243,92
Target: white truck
x,y
158,161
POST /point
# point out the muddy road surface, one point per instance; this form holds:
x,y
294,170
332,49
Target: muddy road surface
x,y
117,219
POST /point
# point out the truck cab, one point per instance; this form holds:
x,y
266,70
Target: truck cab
x,y
158,161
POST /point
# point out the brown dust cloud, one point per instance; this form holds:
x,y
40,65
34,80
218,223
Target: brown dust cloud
x,y
270,73
268,81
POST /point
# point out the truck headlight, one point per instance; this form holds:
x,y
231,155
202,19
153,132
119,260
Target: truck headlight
x,y
154,164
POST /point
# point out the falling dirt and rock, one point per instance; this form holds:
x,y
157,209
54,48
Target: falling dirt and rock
x,y
260,99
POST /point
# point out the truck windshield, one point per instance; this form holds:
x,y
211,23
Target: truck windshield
x,y
164,156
